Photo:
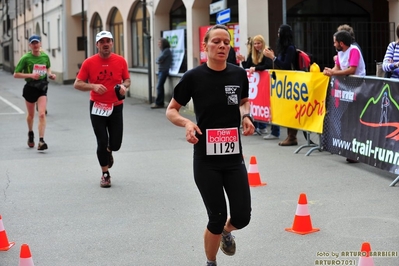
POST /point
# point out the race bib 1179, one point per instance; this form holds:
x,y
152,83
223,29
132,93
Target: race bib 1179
x,y
102,109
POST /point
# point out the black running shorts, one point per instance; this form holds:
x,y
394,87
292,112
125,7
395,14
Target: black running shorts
x,y
31,94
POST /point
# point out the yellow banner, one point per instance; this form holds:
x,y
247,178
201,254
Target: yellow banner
x,y
297,99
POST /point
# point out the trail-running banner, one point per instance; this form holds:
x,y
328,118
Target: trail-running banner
x,y
362,121
297,99
176,41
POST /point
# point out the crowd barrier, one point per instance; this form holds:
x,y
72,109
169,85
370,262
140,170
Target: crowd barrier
x,y
354,117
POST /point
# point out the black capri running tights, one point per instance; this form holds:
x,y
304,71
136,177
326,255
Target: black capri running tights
x,y
212,179
108,131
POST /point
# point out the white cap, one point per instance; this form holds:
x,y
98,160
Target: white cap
x,y
103,34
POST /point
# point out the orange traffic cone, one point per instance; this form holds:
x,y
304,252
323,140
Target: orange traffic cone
x,y
4,244
302,223
365,259
253,173
25,258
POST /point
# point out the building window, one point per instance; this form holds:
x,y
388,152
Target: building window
x,y
178,15
6,53
139,42
97,27
117,31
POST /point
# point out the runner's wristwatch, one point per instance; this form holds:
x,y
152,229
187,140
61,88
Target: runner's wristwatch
x,y
249,116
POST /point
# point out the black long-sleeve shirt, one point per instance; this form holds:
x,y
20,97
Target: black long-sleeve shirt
x,y
286,60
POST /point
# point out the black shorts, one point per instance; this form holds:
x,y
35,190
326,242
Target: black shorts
x,y
31,94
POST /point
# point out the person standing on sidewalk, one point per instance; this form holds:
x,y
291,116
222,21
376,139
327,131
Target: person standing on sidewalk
x,y
351,32
285,60
164,61
256,61
217,89
232,57
108,80
348,61
390,63
34,67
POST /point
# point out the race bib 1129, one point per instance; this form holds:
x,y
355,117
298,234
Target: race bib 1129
x,y
223,141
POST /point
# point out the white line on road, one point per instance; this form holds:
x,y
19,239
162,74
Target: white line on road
x,y
12,105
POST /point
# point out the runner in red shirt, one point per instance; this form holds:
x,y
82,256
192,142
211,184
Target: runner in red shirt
x,y
108,80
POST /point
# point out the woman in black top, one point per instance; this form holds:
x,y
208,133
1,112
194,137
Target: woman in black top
x,y
286,55
217,89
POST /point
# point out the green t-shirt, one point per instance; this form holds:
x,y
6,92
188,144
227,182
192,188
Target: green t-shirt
x,y
33,64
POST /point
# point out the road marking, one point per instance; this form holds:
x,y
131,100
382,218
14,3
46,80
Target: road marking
x,y
12,105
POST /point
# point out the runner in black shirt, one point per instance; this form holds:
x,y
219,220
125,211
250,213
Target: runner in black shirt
x,y
218,90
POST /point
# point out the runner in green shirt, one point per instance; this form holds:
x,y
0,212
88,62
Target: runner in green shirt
x,y
34,67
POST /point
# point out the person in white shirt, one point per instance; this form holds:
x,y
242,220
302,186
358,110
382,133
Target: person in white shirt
x,y
349,60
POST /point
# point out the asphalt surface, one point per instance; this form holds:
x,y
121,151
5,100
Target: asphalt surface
x,y
153,213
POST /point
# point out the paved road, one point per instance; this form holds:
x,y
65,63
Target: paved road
x,y
153,214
